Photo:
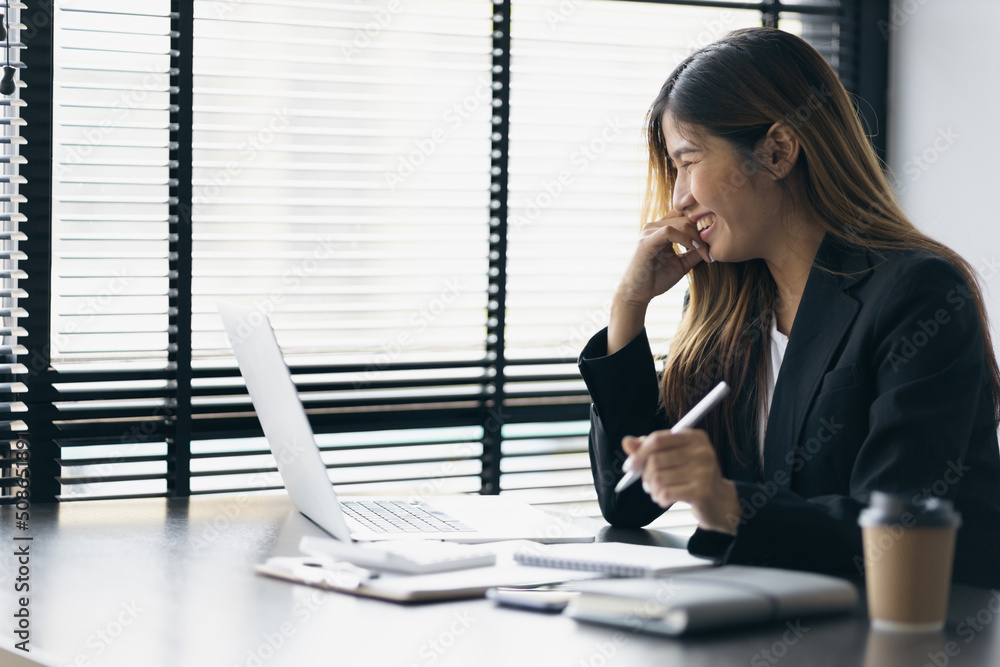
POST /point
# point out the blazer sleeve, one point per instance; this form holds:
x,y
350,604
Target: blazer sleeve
x,y
926,400
625,394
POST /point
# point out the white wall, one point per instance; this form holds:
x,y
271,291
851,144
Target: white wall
x,y
944,127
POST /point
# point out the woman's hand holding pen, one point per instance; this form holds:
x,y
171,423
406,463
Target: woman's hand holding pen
x,y
654,269
683,467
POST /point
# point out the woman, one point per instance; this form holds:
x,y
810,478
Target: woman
x,y
857,347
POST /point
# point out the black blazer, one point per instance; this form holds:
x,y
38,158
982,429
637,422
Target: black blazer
x,y
883,386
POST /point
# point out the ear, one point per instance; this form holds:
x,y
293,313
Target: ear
x,y
778,151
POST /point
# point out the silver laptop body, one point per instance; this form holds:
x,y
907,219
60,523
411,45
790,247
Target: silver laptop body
x,y
473,518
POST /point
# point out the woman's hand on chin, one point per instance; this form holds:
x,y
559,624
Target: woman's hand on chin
x,y
683,467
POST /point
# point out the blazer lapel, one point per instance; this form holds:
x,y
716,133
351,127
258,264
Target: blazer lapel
x,y
824,316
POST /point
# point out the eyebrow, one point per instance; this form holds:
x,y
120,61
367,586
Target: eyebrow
x,y
681,151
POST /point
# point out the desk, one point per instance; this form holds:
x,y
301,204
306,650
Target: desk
x,y
169,583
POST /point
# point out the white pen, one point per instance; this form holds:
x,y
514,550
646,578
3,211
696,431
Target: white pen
x,y
694,416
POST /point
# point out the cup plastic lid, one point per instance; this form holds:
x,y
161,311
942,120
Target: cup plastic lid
x,y
890,509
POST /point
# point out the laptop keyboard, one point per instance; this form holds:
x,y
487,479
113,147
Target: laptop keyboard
x,y
394,516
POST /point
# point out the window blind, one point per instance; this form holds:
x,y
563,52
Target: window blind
x,y
340,182
112,210
13,445
432,201
341,185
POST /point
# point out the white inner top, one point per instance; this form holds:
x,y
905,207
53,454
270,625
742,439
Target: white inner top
x,y
779,342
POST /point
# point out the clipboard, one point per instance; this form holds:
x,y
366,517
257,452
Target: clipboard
x,y
456,585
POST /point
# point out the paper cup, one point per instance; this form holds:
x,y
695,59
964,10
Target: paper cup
x,y
909,549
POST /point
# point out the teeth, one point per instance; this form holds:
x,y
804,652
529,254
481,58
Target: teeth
x,y
706,222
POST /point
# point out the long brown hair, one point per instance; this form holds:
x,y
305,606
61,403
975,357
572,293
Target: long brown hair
x,y
736,89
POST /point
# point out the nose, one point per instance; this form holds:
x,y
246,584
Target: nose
x,y
682,198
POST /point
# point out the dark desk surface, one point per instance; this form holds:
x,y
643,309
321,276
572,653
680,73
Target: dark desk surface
x,y
170,583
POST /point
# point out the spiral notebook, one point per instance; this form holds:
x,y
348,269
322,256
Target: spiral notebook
x,y
615,559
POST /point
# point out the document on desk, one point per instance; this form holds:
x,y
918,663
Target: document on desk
x,y
469,583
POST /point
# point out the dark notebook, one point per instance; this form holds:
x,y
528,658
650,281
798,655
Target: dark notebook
x,y
695,601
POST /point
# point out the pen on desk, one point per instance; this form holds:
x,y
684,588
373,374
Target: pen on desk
x,y
694,416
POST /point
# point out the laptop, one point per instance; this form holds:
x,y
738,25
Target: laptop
x,y
461,518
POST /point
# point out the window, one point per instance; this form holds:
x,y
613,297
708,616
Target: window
x,y
432,200
12,387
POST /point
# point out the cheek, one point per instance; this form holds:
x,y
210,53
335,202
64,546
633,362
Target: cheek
x,y
727,190
711,187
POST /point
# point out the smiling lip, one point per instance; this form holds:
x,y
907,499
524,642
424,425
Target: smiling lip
x,y
706,233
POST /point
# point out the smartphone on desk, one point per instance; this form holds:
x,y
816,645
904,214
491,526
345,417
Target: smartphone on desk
x,y
548,600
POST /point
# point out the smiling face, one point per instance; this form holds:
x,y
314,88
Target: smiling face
x,y
717,188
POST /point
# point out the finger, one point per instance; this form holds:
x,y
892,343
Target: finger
x,y
671,217
699,245
688,473
629,445
642,451
696,242
667,495
690,259
676,220
663,223
671,460
687,235
657,244
662,440
650,482
636,459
